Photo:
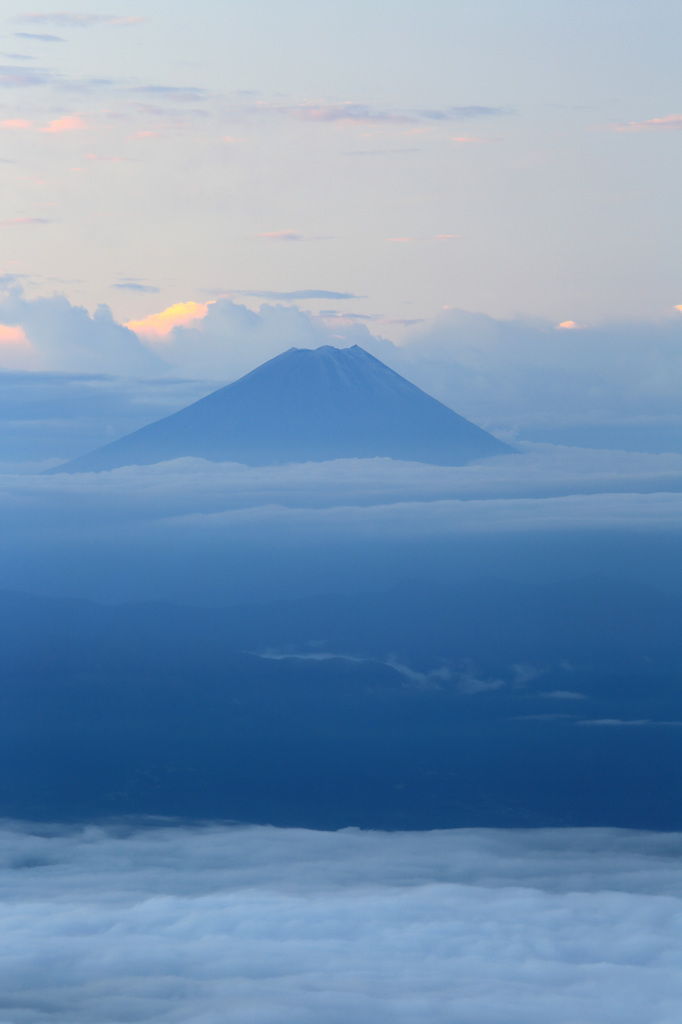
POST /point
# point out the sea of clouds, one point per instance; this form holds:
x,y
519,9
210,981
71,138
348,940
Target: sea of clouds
x,y
258,925
141,532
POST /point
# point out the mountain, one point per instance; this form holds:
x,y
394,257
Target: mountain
x,y
305,405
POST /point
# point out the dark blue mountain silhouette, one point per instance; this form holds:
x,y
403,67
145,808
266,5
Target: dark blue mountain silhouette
x,y
306,405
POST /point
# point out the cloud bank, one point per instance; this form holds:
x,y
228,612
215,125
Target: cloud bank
x,y
611,385
165,924
60,336
191,530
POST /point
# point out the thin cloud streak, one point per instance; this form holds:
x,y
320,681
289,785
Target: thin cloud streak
x,y
671,123
304,293
41,37
280,236
18,221
136,286
73,19
67,123
362,113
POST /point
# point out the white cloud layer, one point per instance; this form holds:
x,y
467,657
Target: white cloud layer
x,y
566,484
264,925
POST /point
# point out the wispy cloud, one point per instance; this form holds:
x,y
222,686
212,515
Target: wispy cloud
x,y
280,236
69,123
362,113
671,123
384,152
75,19
176,93
304,293
431,238
40,37
132,285
18,221
625,721
12,77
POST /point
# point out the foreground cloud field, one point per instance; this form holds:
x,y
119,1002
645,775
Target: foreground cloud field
x,y
173,924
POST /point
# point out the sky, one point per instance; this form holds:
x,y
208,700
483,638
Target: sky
x,y
507,157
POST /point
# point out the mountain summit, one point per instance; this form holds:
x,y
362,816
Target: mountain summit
x,y
306,405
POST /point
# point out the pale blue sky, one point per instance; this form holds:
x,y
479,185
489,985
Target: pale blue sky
x,y
497,123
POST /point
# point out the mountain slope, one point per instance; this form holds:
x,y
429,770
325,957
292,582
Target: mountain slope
x,y
306,406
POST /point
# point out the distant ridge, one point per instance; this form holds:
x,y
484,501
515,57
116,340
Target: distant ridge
x,y
305,405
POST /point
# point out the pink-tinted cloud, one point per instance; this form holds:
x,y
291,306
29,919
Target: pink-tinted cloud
x,y
671,123
10,335
569,325
69,123
159,325
281,236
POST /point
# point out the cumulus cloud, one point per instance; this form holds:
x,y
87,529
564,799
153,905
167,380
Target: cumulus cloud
x,y
228,340
158,325
523,374
164,924
611,385
65,337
